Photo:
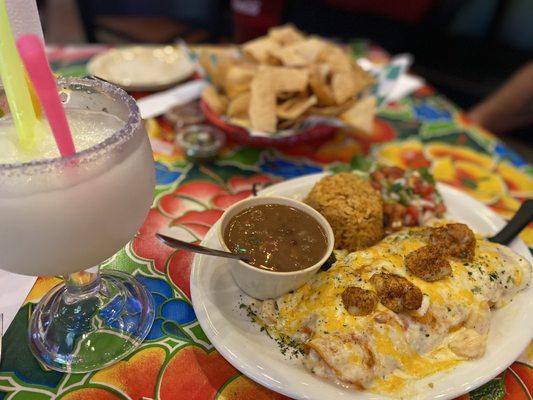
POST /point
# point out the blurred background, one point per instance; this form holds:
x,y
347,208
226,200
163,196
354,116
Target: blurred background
x,y
466,49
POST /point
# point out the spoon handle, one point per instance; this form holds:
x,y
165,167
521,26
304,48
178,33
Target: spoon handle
x,y
179,244
523,216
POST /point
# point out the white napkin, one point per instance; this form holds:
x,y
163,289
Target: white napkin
x,y
13,291
393,88
405,85
156,104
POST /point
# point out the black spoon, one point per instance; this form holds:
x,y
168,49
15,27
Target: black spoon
x,y
179,244
523,216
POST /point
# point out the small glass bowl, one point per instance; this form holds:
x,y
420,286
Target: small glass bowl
x,y
200,142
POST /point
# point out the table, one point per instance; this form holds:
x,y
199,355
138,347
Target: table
x,y
177,361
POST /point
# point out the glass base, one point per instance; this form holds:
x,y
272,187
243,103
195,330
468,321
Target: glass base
x,y
87,331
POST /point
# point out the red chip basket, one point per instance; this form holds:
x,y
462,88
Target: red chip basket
x,y
240,135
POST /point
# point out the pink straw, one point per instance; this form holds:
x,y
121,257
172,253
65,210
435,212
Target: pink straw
x,y
31,51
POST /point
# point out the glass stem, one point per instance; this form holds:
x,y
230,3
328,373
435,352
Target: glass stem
x,y
83,284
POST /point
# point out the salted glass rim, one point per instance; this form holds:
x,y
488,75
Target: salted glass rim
x,y
120,136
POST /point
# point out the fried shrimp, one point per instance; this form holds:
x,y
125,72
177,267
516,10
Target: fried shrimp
x,y
359,301
428,263
456,240
397,293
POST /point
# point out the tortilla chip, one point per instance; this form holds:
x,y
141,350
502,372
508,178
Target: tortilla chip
x,y
262,109
323,70
235,91
331,111
345,86
285,34
217,102
336,57
272,60
305,74
260,49
282,96
244,122
308,49
291,79
288,79
293,108
321,89
289,57
291,123
238,107
363,78
361,114
219,67
239,74
238,79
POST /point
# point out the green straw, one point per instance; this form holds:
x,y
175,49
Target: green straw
x,y
15,85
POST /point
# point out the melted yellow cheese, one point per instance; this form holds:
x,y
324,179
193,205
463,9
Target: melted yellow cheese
x,y
411,343
389,385
412,363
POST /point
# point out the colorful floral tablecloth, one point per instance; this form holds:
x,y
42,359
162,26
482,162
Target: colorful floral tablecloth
x,y
177,361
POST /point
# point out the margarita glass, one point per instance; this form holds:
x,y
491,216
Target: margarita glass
x,y
60,216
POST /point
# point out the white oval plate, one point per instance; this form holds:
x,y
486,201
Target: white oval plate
x,y
142,68
216,301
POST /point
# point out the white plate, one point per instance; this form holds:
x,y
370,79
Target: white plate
x,y
141,68
216,298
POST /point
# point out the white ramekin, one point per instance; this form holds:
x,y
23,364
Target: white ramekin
x,y
263,284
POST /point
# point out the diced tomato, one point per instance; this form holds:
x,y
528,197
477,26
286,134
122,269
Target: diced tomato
x,y
426,189
414,212
409,220
377,175
416,184
398,211
440,208
394,213
393,172
415,160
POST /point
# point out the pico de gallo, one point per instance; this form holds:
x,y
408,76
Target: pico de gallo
x,y
410,197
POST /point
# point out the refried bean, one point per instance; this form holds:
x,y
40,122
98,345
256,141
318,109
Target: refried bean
x,y
276,237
